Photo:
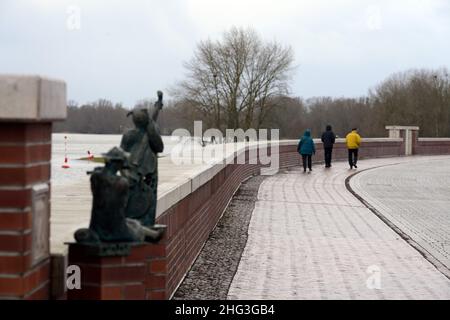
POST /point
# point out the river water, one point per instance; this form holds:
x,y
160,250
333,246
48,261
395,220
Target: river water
x,y
77,147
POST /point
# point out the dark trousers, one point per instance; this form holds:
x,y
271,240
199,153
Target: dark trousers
x,y
307,159
352,157
328,156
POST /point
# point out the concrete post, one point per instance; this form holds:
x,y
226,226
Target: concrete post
x,y
409,135
28,106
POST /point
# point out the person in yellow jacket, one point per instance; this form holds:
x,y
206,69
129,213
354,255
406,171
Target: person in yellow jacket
x,y
353,141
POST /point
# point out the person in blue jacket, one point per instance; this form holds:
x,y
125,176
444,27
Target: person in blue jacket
x,y
306,148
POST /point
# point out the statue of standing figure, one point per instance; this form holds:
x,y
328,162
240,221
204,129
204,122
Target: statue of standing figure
x,y
144,142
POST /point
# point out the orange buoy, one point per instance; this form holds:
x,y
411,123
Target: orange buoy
x,y
65,165
66,161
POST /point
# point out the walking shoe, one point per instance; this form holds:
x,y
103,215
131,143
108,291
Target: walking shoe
x,y
356,167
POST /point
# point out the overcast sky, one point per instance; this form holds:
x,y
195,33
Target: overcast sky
x,y
125,50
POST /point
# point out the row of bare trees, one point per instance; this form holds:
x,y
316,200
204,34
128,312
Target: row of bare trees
x,y
425,106
241,81
415,97
100,117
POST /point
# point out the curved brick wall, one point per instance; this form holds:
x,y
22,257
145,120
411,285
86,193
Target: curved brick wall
x,y
432,146
191,211
191,219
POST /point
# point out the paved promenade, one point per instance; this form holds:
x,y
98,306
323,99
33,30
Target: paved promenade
x,y
311,238
415,197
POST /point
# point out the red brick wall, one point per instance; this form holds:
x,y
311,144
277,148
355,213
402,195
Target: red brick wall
x,y
25,151
436,147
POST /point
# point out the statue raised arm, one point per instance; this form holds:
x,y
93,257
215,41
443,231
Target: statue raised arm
x,y
143,143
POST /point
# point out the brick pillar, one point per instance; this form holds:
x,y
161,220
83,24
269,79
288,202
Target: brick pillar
x,y
28,105
409,134
109,277
137,275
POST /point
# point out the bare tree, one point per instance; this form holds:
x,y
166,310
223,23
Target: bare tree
x,y
415,97
239,83
230,82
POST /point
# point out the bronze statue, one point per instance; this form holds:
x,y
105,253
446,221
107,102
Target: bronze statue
x,y
124,206
110,196
143,143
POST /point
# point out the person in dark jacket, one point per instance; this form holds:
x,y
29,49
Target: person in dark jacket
x,y
328,140
306,148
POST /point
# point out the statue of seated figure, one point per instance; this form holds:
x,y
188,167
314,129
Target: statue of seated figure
x,y
110,197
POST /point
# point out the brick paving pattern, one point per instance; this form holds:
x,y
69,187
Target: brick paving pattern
x,y
310,238
416,198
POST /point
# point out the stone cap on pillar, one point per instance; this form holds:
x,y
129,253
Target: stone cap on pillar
x,y
394,131
32,98
414,128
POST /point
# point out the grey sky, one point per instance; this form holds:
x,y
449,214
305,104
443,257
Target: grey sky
x,y
125,50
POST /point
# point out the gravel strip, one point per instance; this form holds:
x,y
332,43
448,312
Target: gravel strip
x,y
211,274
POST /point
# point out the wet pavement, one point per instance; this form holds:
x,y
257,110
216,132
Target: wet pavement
x,y
311,238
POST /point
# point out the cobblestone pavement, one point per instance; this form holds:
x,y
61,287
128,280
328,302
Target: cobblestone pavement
x,y
310,238
212,272
415,197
